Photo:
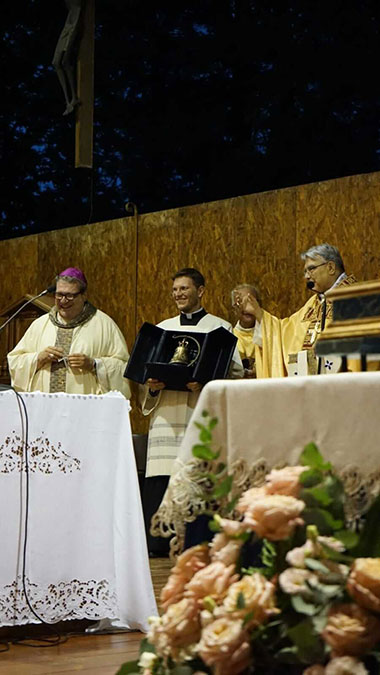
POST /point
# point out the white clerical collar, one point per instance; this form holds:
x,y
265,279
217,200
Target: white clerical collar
x,y
338,280
190,316
336,283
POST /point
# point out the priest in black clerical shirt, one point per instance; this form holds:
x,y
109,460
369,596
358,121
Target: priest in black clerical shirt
x,y
171,410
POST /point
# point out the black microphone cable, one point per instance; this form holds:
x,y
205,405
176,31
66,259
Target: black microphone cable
x,y
58,639
323,323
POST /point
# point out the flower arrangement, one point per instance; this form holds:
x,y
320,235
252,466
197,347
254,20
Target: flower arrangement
x,y
283,587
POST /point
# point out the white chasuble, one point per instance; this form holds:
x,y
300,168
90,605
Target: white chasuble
x,y
99,338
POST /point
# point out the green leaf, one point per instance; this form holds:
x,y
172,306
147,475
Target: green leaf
x,y
146,646
331,554
212,423
231,505
316,566
318,496
369,541
223,488
328,591
205,436
182,670
348,538
310,648
203,452
240,601
311,477
322,519
288,655
268,553
248,618
214,526
220,468
303,607
310,456
129,668
320,620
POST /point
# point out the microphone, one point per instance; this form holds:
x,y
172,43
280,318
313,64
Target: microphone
x,y
49,289
310,284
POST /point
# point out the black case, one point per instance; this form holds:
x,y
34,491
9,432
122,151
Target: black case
x,y
154,347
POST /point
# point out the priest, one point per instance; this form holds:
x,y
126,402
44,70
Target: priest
x,y
75,348
288,344
252,349
171,410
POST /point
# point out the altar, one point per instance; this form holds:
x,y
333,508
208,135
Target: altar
x,y
265,424
71,529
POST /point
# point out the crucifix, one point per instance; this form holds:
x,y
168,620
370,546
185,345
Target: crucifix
x,y
79,94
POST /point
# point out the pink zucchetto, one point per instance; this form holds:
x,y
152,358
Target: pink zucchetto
x,y
74,272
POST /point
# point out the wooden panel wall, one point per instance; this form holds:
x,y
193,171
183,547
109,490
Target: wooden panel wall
x,y
254,238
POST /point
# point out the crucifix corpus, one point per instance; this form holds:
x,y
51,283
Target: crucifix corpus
x,y
75,47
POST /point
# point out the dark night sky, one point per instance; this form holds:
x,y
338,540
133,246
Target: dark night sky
x,y
193,102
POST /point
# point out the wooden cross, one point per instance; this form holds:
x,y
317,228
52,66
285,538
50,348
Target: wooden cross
x,y
84,125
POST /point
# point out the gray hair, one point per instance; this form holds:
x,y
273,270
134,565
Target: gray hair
x,y
327,252
72,280
251,288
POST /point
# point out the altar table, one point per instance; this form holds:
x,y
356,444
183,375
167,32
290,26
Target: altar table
x,y
266,423
86,554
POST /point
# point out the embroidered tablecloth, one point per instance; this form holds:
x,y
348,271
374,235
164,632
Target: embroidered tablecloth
x,y
86,554
264,424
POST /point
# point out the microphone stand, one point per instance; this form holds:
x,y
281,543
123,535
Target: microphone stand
x,y
49,289
323,322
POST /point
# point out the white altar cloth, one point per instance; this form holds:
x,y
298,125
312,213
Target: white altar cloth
x,y
266,423
86,554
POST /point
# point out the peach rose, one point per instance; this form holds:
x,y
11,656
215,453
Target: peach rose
x,y
212,580
312,548
285,481
177,628
364,583
232,528
351,630
346,665
188,563
293,581
224,549
258,598
274,517
225,646
314,670
249,497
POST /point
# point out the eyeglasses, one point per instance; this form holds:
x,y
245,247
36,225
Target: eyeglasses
x,y
67,296
310,270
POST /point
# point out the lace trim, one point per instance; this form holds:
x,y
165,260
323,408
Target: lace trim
x,y
43,456
57,602
188,494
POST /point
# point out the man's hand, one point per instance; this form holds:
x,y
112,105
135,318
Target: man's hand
x,y
155,385
249,304
81,362
48,355
194,386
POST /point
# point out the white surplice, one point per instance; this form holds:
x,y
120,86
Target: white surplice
x,y
171,410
